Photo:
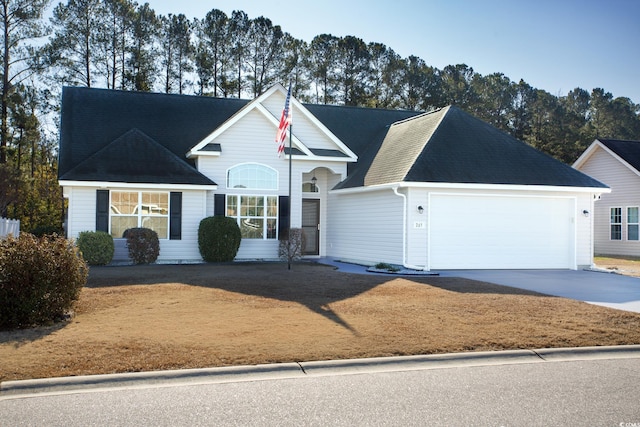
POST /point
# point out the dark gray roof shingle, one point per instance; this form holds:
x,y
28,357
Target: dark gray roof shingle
x,y
629,151
452,146
136,158
93,118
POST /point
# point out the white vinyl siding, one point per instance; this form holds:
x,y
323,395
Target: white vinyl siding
x,y
625,191
252,139
365,227
82,217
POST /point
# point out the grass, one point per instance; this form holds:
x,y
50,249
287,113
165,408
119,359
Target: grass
x,y
142,318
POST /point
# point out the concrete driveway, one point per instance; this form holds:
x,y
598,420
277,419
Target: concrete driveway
x,y
595,287
600,288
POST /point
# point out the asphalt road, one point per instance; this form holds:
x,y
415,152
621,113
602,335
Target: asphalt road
x,y
558,390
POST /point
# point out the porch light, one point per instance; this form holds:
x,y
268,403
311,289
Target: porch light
x,y
420,209
314,180
585,213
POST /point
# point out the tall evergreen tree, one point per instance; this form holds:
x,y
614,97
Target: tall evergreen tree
x,y
264,54
77,40
177,52
322,53
213,52
21,22
142,65
352,66
238,31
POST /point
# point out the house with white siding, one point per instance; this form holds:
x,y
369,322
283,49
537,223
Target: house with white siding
x,y
437,190
617,214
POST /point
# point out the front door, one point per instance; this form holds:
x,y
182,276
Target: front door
x,y
311,226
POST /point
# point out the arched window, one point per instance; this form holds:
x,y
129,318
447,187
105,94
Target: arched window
x,y
252,176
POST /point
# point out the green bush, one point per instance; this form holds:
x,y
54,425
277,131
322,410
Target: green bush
x,y
40,278
47,230
143,245
96,247
219,238
290,249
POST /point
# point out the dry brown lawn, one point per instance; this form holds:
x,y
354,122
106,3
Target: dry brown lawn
x,y
629,266
142,318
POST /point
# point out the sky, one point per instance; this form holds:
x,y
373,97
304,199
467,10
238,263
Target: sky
x,y
554,45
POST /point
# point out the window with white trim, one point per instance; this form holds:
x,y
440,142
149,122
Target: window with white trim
x,y
252,176
257,216
131,209
616,223
632,223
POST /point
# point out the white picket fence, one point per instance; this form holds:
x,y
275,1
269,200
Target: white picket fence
x,y
9,226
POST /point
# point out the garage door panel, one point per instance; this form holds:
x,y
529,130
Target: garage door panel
x,y
470,232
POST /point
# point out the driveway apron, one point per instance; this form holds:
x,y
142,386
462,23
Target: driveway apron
x,y
606,289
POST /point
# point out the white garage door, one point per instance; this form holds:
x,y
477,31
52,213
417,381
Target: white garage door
x,y
494,232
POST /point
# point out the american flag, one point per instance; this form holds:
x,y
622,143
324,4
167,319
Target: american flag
x,y
285,122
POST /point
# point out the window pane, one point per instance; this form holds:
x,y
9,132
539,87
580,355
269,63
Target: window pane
x,y
121,223
632,232
232,206
253,176
155,204
272,228
616,232
123,202
252,228
272,206
616,215
632,215
157,224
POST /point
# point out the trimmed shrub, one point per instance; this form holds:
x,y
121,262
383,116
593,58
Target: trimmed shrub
x,y
219,238
143,245
97,247
40,278
292,251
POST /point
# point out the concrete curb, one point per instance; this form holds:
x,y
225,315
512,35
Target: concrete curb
x,y
81,384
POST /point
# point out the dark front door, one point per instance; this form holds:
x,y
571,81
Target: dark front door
x,y
311,226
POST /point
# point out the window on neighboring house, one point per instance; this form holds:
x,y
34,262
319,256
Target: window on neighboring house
x,y
257,216
130,209
252,176
616,223
632,223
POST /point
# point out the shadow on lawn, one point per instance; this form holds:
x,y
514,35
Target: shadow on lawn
x,y
315,286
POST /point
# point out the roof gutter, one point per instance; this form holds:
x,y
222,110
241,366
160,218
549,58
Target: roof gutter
x,y
463,186
404,232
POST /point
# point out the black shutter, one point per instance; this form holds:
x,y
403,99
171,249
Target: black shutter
x,y
102,210
175,216
219,204
283,217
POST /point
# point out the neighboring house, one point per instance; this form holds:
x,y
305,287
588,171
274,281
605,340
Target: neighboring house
x,y
617,214
439,190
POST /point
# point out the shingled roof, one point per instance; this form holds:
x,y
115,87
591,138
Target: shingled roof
x,y
451,146
629,151
392,146
91,119
120,161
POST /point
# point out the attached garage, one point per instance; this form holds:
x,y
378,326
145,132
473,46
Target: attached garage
x,y
501,231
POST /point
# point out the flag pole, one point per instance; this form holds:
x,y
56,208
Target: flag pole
x,y
289,231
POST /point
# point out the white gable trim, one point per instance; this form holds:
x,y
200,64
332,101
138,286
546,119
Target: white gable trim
x,y
256,104
106,184
592,149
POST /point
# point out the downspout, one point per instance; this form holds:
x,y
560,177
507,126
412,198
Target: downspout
x,y
404,232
